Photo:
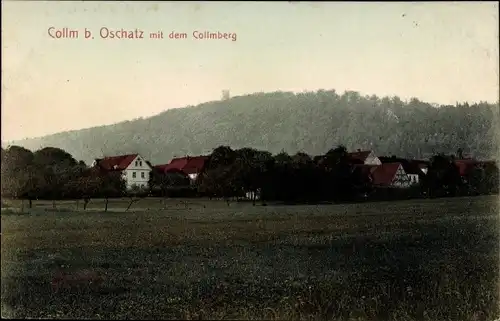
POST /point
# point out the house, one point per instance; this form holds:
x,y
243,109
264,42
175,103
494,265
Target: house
x,y
192,166
364,157
390,175
414,169
135,169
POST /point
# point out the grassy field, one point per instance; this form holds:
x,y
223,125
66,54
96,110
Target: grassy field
x,y
410,260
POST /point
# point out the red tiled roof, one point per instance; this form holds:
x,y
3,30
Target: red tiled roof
x,y
360,156
195,164
177,163
466,165
116,162
384,174
188,165
173,165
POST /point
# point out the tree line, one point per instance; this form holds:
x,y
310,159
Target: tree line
x,y
334,176
52,174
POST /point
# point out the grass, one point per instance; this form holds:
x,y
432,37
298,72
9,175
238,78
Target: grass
x,y
410,260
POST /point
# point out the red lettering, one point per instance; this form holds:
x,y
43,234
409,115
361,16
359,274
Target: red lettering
x,y
62,33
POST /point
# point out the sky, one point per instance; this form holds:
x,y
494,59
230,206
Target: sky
x,y
440,52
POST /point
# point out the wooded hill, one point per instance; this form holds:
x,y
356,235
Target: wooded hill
x,y
311,122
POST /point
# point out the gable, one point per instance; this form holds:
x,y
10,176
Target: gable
x,y
400,171
401,178
139,163
372,159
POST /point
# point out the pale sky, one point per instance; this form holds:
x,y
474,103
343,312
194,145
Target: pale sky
x,y
439,52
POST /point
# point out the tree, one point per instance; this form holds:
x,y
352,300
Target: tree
x,y
110,184
161,182
492,178
92,183
339,168
221,156
43,174
443,176
223,181
16,170
227,173
54,157
32,184
210,183
135,194
79,184
157,182
16,157
279,183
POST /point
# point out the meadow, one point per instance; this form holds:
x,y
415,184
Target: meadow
x,y
434,259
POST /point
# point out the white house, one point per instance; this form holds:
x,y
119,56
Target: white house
x,y
135,169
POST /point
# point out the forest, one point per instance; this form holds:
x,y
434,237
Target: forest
x,y
309,122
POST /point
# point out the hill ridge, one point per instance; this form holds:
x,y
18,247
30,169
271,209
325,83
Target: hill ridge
x,y
311,122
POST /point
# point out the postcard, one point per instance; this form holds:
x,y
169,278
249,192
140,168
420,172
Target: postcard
x,y
250,160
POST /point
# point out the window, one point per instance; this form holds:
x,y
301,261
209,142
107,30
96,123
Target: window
x,y
136,162
142,174
133,174
140,163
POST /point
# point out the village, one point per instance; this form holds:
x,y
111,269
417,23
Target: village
x,y
382,171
